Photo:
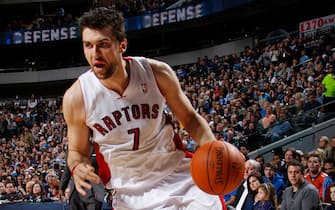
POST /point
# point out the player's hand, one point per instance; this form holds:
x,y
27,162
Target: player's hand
x,y
82,175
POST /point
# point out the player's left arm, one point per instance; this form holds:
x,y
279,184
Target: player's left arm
x,y
179,104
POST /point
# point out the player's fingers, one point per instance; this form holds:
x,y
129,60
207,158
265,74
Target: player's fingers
x,y
82,185
80,189
85,185
91,175
86,172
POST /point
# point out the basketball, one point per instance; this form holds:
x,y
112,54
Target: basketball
x,y
217,167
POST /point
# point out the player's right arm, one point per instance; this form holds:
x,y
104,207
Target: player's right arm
x,y
78,137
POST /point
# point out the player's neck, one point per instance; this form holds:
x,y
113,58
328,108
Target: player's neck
x,y
120,80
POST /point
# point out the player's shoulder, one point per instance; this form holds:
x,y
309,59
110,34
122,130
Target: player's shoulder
x,y
154,63
160,67
157,63
73,93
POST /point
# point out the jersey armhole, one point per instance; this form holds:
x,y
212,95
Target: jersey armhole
x,y
146,65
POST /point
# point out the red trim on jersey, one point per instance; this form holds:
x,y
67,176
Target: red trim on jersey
x,y
103,168
177,141
222,202
179,145
188,154
127,58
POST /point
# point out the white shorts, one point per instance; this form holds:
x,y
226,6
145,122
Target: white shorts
x,y
176,191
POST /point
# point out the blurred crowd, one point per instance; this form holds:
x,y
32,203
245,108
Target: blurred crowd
x,y
265,93
33,149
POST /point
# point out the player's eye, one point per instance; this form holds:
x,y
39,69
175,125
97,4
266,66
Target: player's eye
x,y
87,45
103,45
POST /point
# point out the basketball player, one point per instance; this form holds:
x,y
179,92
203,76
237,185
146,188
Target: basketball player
x,y
122,100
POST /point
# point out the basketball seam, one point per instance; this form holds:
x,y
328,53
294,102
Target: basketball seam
x,y
208,165
228,166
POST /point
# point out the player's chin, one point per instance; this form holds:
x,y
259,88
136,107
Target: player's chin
x,y
99,74
103,75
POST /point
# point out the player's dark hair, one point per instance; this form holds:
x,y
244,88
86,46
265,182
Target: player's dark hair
x,y
104,18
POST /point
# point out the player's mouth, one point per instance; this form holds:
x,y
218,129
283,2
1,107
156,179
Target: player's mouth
x,y
98,66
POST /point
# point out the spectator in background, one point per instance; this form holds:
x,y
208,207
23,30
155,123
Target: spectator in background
x,y
303,57
290,154
38,193
277,159
253,138
328,83
314,175
12,194
20,184
244,149
11,126
67,194
269,119
28,138
321,153
332,198
239,195
3,124
267,197
324,145
301,195
332,147
253,182
329,169
29,190
304,161
191,145
32,102
260,159
54,190
271,176
319,95
281,128
2,191
311,108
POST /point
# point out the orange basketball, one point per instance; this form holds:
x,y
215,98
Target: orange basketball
x,y
217,167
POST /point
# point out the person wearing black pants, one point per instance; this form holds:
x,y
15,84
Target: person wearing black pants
x,y
93,198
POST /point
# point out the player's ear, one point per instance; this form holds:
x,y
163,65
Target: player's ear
x,y
123,45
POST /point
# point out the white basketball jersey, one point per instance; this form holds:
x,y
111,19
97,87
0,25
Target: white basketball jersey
x,y
133,137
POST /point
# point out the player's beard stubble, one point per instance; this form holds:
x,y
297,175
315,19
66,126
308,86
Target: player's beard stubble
x,y
106,72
